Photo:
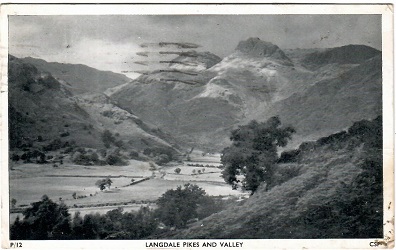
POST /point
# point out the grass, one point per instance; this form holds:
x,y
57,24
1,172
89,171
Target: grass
x,y
29,182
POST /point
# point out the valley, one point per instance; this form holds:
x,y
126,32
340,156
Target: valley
x,y
260,133
29,182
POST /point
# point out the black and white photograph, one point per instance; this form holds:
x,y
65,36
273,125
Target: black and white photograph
x,y
197,129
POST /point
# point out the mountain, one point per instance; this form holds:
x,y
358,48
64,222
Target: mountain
x,y
80,78
319,91
254,47
334,103
42,109
349,54
332,188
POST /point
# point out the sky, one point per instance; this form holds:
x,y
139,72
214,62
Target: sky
x,y
110,42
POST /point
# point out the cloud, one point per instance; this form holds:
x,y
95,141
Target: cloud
x,y
108,42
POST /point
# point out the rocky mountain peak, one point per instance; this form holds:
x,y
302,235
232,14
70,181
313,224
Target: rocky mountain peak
x,y
258,48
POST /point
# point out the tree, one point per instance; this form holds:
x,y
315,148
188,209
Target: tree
x,y
176,207
102,184
74,195
108,138
177,170
44,220
253,153
115,159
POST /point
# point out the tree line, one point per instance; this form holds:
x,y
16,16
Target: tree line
x,y
48,220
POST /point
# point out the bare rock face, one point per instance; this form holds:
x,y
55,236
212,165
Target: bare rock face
x,y
257,48
257,81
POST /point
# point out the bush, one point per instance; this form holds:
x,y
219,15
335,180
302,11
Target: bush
x,y
289,156
86,159
54,145
152,166
108,138
36,155
134,155
64,134
119,143
15,157
285,173
162,159
157,151
115,159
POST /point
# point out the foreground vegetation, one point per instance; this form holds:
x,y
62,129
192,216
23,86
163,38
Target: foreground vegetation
x,y
331,188
46,219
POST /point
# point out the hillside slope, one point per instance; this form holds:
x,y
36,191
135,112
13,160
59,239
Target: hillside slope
x,y
79,77
333,189
349,54
42,109
256,81
334,103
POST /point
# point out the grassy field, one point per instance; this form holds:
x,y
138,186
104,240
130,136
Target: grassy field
x,y
29,182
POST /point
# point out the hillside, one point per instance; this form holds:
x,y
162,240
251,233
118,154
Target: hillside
x,y
334,103
256,81
349,54
79,77
42,109
331,188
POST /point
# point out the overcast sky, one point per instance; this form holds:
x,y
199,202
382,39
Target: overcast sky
x,y
111,42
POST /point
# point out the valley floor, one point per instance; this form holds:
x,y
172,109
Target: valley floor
x,y
29,182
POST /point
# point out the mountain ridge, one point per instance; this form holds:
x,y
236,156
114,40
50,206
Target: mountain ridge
x,y
42,107
81,78
240,88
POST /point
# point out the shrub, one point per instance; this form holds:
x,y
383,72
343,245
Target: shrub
x,y
289,156
108,138
86,159
64,134
119,143
115,159
54,145
15,157
134,155
152,166
285,173
157,151
162,159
